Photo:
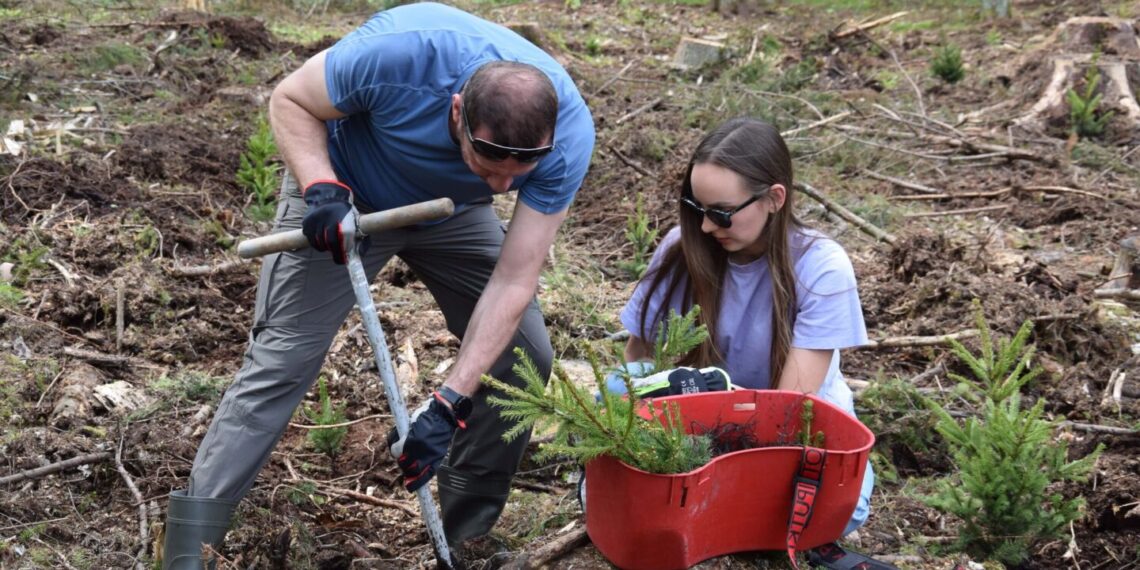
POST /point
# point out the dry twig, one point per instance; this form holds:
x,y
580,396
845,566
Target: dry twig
x,y
962,195
342,424
961,212
198,270
1126,294
630,162
549,550
361,497
818,123
646,107
56,467
144,525
863,27
867,227
907,341
992,149
901,183
613,79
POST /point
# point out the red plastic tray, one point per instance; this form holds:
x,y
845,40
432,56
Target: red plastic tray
x,y
737,502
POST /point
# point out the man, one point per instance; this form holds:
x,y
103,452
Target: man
x,y
423,101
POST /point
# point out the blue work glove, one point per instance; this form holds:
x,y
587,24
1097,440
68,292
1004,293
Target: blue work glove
x,y
420,452
682,380
330,222
615,381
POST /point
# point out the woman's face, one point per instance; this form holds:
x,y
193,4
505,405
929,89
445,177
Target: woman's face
x,y
716,187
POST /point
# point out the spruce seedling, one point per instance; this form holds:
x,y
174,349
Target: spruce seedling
x,y
643,239
326,440
585,427
947,64
1001,368
1085,118
680,335
807,416
258,172
1008,462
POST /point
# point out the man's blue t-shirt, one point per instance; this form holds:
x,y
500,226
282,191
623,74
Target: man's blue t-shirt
x,y
394,78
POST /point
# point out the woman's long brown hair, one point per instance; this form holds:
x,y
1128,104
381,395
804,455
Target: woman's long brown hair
x,y
696,265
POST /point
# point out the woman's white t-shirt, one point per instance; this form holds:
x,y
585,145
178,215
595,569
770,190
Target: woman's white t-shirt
x,y
828,314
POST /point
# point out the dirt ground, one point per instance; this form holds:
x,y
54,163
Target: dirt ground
x,y
120,214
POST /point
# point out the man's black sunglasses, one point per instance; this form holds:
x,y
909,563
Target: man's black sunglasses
x,y
498,152
722,218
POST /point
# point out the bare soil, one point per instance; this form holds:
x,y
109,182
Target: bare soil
x,y
124,207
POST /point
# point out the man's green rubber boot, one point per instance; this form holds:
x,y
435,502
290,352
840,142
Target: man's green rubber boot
x,y
190,523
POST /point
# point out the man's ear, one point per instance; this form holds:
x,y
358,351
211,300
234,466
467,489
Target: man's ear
x,y
455,113
777,194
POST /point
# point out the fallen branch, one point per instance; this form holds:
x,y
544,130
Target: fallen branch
x,y
361,497
908,341
1097,428
639,110
961,212
144,525
848,215
962,195
199,270
1064,190
818,123
902,183
613,79
549,550
1126,294
994,149
860,28
56,467
536,486
342,424
630,162
94,357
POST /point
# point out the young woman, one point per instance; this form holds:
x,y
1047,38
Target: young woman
x,y
779,299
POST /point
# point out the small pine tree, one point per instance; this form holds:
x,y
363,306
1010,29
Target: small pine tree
x,y
947,64
678,336
1007,461
643,238
1002,368
258,172
586,428
326,440
1085,116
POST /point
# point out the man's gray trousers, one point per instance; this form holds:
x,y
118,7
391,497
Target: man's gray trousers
x,y
302,300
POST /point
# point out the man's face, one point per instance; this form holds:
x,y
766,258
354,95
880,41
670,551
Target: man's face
x,y
498,174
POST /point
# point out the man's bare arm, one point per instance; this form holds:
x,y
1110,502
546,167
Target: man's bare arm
x,y
506,296
298,109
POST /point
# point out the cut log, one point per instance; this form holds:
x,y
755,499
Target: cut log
x,y
1111,44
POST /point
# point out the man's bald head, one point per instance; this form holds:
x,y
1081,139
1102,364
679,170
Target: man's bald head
x,y
516,101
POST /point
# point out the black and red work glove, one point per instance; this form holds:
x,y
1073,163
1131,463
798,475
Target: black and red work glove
x,y
433,424
681,380
330,222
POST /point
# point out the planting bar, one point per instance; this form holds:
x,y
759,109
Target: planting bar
x,y
368,224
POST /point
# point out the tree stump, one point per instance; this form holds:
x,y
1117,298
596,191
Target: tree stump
x,y
1111,44
1126,270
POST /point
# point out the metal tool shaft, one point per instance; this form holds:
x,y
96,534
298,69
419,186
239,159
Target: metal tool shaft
x,y
392,391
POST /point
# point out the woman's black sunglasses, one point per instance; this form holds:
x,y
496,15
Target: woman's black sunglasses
x,y
498,152
722,218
